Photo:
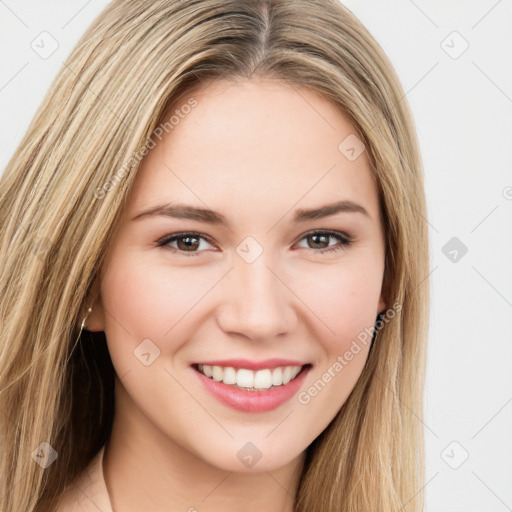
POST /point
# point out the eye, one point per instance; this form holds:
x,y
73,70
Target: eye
x,y
187,243
322,237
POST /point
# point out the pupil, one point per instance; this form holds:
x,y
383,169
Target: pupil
x,y
186,242
314,237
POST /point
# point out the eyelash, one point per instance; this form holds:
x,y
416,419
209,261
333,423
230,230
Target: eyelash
x,y
345,241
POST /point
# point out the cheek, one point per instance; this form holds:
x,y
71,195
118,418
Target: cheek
x,y
344,299
144,299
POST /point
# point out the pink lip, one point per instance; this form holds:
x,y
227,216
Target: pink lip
x,y
253,365
253,401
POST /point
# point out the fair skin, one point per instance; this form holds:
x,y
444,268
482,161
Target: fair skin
x,y
255,151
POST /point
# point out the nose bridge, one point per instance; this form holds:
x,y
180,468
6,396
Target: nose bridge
x,y
256,302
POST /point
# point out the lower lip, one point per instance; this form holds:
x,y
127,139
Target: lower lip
x,y
253,401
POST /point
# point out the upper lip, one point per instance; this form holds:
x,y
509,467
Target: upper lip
x,y
253,365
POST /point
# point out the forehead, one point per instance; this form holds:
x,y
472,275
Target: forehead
x,y
258,142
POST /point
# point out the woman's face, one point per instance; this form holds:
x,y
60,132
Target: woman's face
x,y
253,283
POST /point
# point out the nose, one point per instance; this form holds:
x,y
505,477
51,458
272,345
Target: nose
x,y
256,301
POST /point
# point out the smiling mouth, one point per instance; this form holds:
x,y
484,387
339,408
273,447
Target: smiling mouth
x,y
249,380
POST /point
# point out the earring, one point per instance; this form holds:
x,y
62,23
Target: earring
x,y
85,319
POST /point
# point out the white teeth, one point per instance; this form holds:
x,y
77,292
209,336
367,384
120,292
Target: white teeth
x,y
207,370
229,375
254,380
277,377
244,378
218,374
287,374
263,379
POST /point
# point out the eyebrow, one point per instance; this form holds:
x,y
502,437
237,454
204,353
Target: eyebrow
x,y
184,211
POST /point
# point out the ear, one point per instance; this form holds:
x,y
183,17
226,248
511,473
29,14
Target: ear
x,y
96,319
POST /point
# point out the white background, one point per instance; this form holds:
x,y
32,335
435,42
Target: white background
x,y
462,108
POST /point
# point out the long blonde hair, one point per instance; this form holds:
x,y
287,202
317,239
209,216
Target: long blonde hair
x,y
60,201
